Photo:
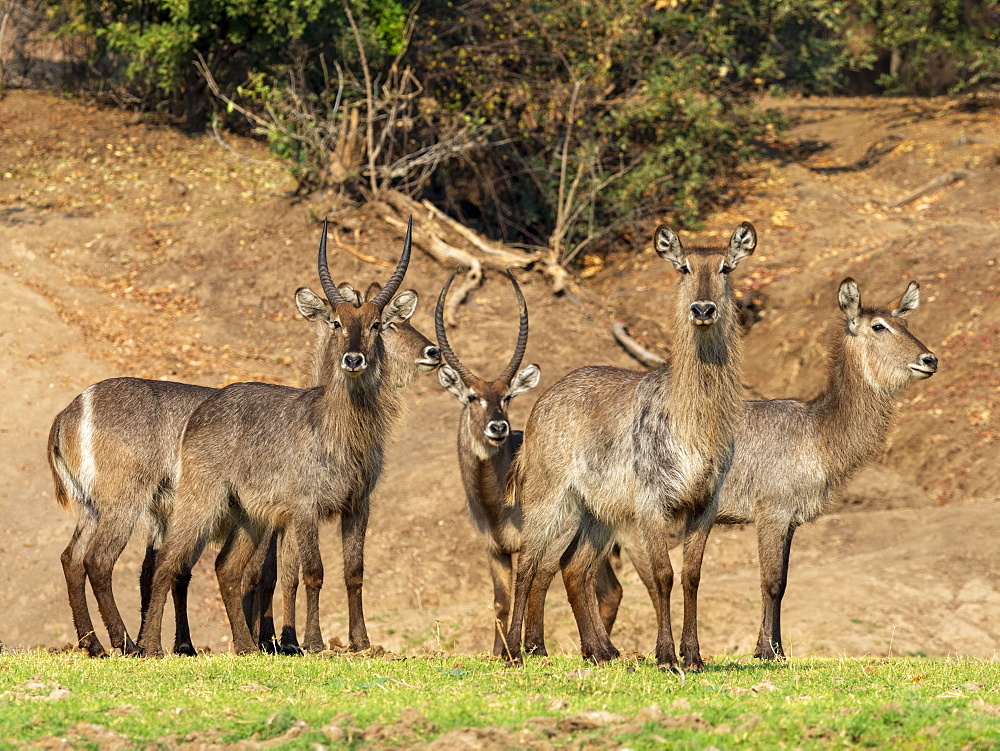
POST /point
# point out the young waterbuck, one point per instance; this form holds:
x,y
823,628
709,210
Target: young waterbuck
x,y
486,446
609,451
113,453
258,457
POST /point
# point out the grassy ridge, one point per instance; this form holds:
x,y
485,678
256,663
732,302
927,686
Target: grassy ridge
x,y
904,702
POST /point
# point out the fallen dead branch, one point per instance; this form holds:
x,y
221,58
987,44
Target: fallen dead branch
x,y
445,254
357,253
941,181
636,350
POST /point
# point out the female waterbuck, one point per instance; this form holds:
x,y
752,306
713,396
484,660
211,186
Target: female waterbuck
x,y
790,454
257,457
609,451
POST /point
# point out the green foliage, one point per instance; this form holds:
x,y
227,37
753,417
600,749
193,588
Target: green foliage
x,y
558,124
297,702
156,43
927,48
610,110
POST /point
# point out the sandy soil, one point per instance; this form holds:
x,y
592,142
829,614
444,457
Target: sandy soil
x,y
131,249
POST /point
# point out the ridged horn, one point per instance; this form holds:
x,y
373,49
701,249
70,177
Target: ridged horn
x,y
522,334
383,297
332,293
467,376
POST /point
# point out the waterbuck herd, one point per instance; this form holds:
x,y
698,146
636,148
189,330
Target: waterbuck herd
x,y
610,461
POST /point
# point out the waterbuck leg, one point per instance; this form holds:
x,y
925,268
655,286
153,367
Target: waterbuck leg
x,y
106,546
353,527
264,603
288,565
653,538
534,623
253,585
527,566
774,543
183,644
231,566
580,563
76,584
307,535
501,572
181,549
146,581
609,591
697,529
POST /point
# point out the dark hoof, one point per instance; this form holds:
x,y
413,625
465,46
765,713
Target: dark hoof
x,y
670,667
93,648
692,666
185,650
270,647
290,650
599,657
535,650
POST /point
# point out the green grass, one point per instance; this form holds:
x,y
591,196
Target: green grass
x,y
902,702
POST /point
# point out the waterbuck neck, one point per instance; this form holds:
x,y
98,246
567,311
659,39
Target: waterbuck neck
x,y
853,417
356,414
704,400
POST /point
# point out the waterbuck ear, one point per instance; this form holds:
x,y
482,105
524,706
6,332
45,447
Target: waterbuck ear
x,y
373,289
909,301
667,245
350,294
401,308
311,306
741,244
850,302
525,380
452,381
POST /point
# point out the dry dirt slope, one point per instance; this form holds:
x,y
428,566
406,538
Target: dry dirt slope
x,y
131,249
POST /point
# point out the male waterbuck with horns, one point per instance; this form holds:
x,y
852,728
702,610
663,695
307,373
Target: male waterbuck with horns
x,y
257,457
113,454
609,451
403,343
486,447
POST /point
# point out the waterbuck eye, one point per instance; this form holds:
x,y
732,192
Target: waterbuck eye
x,y
878,327
725,269
685,269
375,325
472,398
336,325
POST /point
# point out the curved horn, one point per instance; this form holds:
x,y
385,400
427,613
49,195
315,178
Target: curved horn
x,y
522,334
396,279
467,376
332,293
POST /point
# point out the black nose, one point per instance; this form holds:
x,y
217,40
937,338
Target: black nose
x,y
703,311
929,360
498,428
353,361
432,353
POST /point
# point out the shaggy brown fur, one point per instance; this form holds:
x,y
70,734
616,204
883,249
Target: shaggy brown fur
x,y
610,452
